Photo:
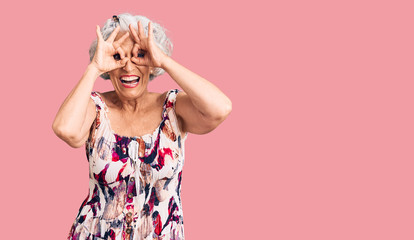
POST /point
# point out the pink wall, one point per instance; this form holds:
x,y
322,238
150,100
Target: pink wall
x,y
319,144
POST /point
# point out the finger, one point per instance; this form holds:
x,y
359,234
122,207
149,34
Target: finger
x,y
121,52
134,33
135,50
116,45
138,61
98,33
149,31
141,30
119,41
113,34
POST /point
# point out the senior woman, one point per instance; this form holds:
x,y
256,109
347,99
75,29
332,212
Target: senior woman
x,y
134,139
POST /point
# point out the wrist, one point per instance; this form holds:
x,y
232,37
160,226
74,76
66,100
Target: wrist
x,y
166,62
93,69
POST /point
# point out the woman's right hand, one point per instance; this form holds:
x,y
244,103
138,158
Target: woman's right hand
x,y
109,55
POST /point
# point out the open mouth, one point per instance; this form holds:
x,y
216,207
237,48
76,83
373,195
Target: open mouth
x,y
130,81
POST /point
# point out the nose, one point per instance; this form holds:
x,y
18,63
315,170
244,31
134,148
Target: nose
x,y
129,66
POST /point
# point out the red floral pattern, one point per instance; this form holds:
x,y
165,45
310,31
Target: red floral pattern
x,y
134,182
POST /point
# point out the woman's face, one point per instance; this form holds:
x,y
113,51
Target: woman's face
x,y
121,77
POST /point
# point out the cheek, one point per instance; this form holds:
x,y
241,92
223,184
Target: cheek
x,y
115,83
143,69
113,74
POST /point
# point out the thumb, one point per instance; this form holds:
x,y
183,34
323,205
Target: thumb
x,y
138,61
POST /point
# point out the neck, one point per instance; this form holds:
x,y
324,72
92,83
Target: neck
x,y
133,105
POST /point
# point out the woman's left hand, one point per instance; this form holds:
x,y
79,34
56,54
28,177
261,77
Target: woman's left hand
x,y
145,51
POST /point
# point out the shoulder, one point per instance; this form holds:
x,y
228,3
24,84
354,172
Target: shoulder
x,y
106,95
99,95
108,98
175,94
168,97
163,96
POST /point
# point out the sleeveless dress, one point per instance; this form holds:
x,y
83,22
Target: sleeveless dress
x,y
134,182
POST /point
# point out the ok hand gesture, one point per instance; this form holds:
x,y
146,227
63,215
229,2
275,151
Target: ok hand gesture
x,y
145,51
107,52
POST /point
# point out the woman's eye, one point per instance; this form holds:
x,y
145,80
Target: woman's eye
x,y
141,54
117,56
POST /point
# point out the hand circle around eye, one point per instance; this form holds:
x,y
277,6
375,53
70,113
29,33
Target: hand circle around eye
x,y
145,51
117,56
109,54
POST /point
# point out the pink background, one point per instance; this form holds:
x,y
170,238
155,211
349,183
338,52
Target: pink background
x,y
319,144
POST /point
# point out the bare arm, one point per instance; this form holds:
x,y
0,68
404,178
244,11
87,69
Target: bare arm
x,y
77,112
202,106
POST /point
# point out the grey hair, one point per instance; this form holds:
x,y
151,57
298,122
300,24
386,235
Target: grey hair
x,y
125,19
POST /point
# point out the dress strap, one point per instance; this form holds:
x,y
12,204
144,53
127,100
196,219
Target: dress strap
x,y
99,103
170,100
172,116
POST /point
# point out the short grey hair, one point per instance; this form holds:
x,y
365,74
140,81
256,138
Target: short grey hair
x,y
125,19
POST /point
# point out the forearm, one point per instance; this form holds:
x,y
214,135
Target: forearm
x,y
72,112
204,95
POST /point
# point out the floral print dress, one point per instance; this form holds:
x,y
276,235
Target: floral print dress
x,y
134,182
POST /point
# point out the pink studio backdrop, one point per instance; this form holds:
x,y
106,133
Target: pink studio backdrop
x,y
319,144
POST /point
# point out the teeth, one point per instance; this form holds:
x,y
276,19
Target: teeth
x,y
129,78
